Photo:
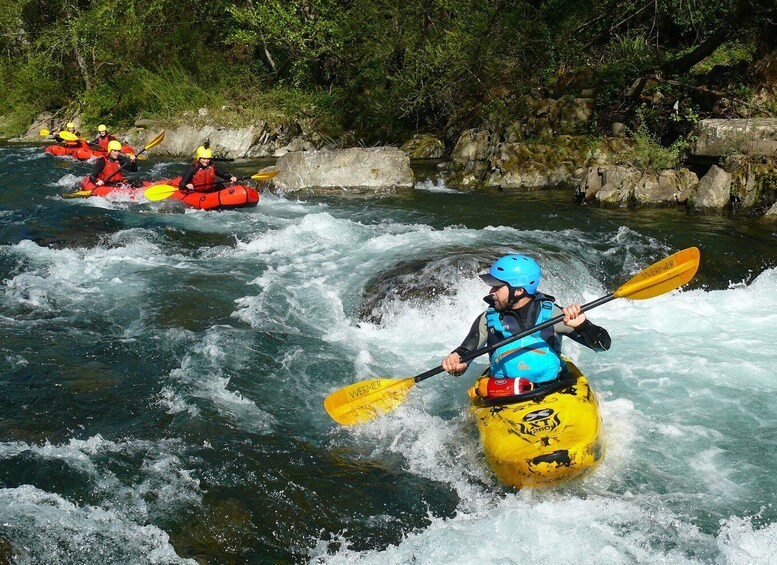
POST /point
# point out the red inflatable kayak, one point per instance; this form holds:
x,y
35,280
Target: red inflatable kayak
x,y
82,150
231,196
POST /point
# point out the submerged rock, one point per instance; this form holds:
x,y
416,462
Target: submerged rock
x,y
418,282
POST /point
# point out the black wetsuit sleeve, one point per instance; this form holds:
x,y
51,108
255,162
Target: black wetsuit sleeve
x,y
222,174
474,338
595,337
98,167
187,176
128,164
588,334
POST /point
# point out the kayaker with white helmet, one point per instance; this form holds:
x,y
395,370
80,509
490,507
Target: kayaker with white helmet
x,y
516,305
108,169
201,175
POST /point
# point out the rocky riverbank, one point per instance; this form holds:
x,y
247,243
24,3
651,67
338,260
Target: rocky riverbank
x,y
731,167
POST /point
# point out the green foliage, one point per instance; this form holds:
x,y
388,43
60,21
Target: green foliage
x,y
648,155
728,54
378,67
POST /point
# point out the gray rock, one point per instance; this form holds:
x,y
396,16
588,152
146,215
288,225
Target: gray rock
x,y
377,170
716,138
618,129
45,120
473,145
666,188
610,185
424,146
713,191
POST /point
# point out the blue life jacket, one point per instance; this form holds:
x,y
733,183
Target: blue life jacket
x,y
534,357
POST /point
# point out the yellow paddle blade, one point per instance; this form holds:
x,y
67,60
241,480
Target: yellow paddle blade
x,y
365,400
44,132
67,136
156,141
661,277
265,176
141,157
160,191
79,194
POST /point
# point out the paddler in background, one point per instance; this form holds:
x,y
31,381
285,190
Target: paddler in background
x,y
201,175
515,305
107,170
71,128
103,137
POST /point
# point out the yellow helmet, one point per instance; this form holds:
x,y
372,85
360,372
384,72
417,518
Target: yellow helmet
x,y
70,125
114,145
204,153
102,127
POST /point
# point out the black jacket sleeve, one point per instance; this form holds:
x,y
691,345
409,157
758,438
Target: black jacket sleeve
x,y
187,176
98,167
128,164
222,174
474,338
593,336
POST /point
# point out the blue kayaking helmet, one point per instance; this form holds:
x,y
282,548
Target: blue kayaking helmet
x,y
517,271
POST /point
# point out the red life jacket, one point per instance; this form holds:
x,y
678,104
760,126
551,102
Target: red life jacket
x,y
204,178
109,168
104,141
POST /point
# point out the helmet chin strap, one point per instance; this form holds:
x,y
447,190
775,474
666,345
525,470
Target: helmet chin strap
x,y
511,301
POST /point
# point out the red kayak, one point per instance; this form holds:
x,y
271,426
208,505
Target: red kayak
x,y
82,150
231,196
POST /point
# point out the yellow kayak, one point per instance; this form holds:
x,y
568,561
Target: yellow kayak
x,y
545,436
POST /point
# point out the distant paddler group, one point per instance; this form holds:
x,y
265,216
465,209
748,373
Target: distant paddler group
x,y
70,143
202,185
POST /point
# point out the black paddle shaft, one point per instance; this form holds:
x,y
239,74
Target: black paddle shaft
x,y
139,153
490,348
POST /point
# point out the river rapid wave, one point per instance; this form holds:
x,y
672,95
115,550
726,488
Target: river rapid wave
x,y
163,374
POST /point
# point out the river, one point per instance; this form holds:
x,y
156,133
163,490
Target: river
x,y
163,373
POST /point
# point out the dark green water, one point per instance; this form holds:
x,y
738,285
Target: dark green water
x,y
163,373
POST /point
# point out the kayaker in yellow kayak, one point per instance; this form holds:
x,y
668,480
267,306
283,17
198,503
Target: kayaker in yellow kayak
x,y
515,305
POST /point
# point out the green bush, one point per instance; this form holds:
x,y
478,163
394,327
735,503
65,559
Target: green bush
x,y
648,155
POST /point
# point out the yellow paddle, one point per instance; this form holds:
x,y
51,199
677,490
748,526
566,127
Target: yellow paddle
x,y
162,191
153,143
365,400
79,194
68,136
265,176
44,132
